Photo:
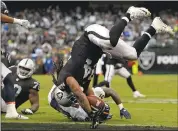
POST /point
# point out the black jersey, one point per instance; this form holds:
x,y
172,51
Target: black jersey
x,y
81,64
22,87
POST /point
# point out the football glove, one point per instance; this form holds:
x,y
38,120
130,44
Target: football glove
x,y
27,111
125,113
22,22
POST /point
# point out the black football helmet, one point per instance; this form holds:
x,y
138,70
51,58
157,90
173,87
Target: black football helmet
x,y
4,9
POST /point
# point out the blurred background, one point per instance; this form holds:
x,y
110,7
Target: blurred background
x,y
56,26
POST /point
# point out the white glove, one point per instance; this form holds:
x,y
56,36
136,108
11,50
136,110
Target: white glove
x,y
27,111
22,22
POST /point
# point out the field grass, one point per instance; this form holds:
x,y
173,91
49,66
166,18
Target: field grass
x,y
159,108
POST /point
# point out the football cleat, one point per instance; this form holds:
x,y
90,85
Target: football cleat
x,y
161,27
18,116
137,94
138,12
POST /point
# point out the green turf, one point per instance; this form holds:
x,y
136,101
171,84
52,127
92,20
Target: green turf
x,y
159,108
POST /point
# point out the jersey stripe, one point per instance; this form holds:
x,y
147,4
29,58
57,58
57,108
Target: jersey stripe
x,y
97,35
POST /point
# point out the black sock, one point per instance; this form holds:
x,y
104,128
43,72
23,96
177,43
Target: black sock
x,y
103,83
95,80
9,90
141,43
130,83
117,30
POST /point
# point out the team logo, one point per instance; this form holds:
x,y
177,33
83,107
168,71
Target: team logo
x,y
146,60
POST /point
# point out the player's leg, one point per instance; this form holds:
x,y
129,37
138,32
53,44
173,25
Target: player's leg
x,y
107,39
123,72
108,76
118,28
157,26
9,96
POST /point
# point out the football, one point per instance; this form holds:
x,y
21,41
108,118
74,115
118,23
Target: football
x,y
95,102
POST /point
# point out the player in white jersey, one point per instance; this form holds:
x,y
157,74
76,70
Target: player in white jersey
x,y
6,74
117,67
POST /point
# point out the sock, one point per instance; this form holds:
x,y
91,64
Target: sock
x,y
130,83
121,106
117,29
11,108
9,89
95,80
141,43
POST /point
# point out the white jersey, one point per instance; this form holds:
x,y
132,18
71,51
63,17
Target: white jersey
x,y
76,112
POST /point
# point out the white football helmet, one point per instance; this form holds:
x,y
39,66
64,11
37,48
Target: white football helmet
x,y
99,92
25,68
64,98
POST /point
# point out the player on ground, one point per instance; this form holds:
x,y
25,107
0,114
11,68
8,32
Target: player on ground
x,y
6,74
116,66
87,50
26,88
67,104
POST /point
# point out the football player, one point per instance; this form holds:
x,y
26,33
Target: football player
x,y
67,104
26,88
116,66
6,74
86,51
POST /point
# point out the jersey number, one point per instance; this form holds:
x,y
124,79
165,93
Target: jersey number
x,y
18,89
88,70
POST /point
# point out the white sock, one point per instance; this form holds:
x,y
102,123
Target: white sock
x,y
11,109
121,106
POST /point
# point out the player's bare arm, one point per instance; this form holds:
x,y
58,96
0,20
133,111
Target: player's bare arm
x,y
81,97
8,19
34,100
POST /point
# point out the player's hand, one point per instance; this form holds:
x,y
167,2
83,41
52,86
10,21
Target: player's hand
x,y
27,111
125,113
25,23
22,22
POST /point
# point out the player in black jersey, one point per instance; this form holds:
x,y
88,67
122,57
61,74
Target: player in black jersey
x,y
26,88
6,74
76,75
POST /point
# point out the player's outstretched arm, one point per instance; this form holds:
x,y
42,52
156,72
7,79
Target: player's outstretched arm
x,y
8,19
81,97
34,100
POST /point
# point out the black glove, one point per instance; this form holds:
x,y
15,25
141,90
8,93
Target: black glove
x,y
27,111
125,113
